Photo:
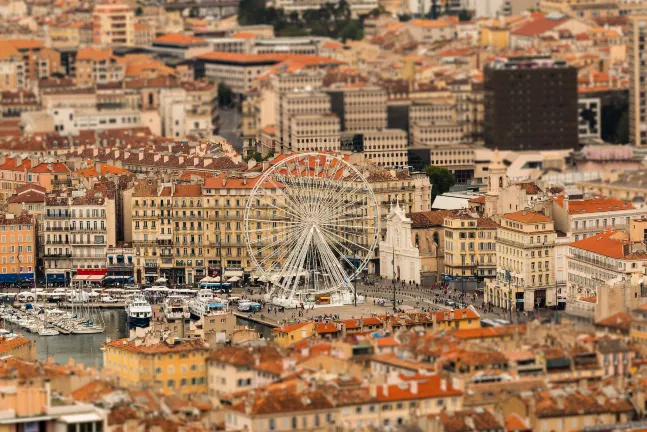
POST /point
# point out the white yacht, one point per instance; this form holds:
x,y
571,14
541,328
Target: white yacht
x,y
139,311
206,303
175,308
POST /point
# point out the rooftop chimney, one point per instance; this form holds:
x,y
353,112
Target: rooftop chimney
x,y
443,384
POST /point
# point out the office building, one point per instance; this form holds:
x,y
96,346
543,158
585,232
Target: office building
x,y
530,103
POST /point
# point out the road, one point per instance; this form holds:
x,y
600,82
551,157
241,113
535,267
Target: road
x,y
423,298
230,127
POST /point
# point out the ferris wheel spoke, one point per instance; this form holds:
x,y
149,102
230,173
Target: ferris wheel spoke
x,y
342,256
333,262
286,247
291,204
280,239
280,208
332,212
340,237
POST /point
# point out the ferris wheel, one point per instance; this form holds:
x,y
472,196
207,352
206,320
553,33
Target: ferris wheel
x,y
311,225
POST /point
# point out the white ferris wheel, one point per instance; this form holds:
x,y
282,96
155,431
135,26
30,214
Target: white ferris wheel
x,y
311,225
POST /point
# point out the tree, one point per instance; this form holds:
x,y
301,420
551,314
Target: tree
x,y
251,12
464,15
434,11
139,11
225,95
441,180
404,17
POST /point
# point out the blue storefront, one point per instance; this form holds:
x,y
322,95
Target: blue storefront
x,y
8,278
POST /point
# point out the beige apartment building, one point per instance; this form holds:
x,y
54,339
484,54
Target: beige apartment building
x,y
359,107
12,69
431,134
76,233
386,148
432,111
637,32
238,71
300,103
97,66
525,274
190,109
113,24
314,132
470,246
603,259
184,232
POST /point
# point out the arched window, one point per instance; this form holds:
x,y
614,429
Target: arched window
x,y
436,238
417,240
500,182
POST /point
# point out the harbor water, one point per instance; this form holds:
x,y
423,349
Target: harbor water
x,y
86,348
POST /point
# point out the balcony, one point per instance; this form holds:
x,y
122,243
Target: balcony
x,y
522,244
57,228
120,266
57,255
594,229
90,230
57,216
596,262
57,242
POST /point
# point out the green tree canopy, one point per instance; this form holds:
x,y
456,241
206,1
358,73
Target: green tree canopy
x,y
225,95
441,180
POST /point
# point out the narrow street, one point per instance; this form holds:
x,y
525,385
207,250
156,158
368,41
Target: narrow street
x,y
230,127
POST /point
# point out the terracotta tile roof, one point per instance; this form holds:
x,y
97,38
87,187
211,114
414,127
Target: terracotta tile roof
x,y
352,324
8,51
434,218
594,205
26,44
538,25
290,328
179,39
529,187
620,321
46,168
322,328
8,344
100,169
528,216
468,421
489,332
424,23
610,243
13,164
94,54
386,342
159,348
27,197
303,59
92,391
372,321
514,423
431,387
478,200
224,181
190,190
575,402
243,35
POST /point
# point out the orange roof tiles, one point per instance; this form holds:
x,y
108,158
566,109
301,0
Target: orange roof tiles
x,y
8,344
100,169
92,391
528,216
225,182
25,44
183,345
431,387
179,39
514,423
322,328
11,164
190,190
386,342
424,23
620,320
594,205
610,243
540,24
243,35
306,60
291,328
46,168
94,54
372,321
